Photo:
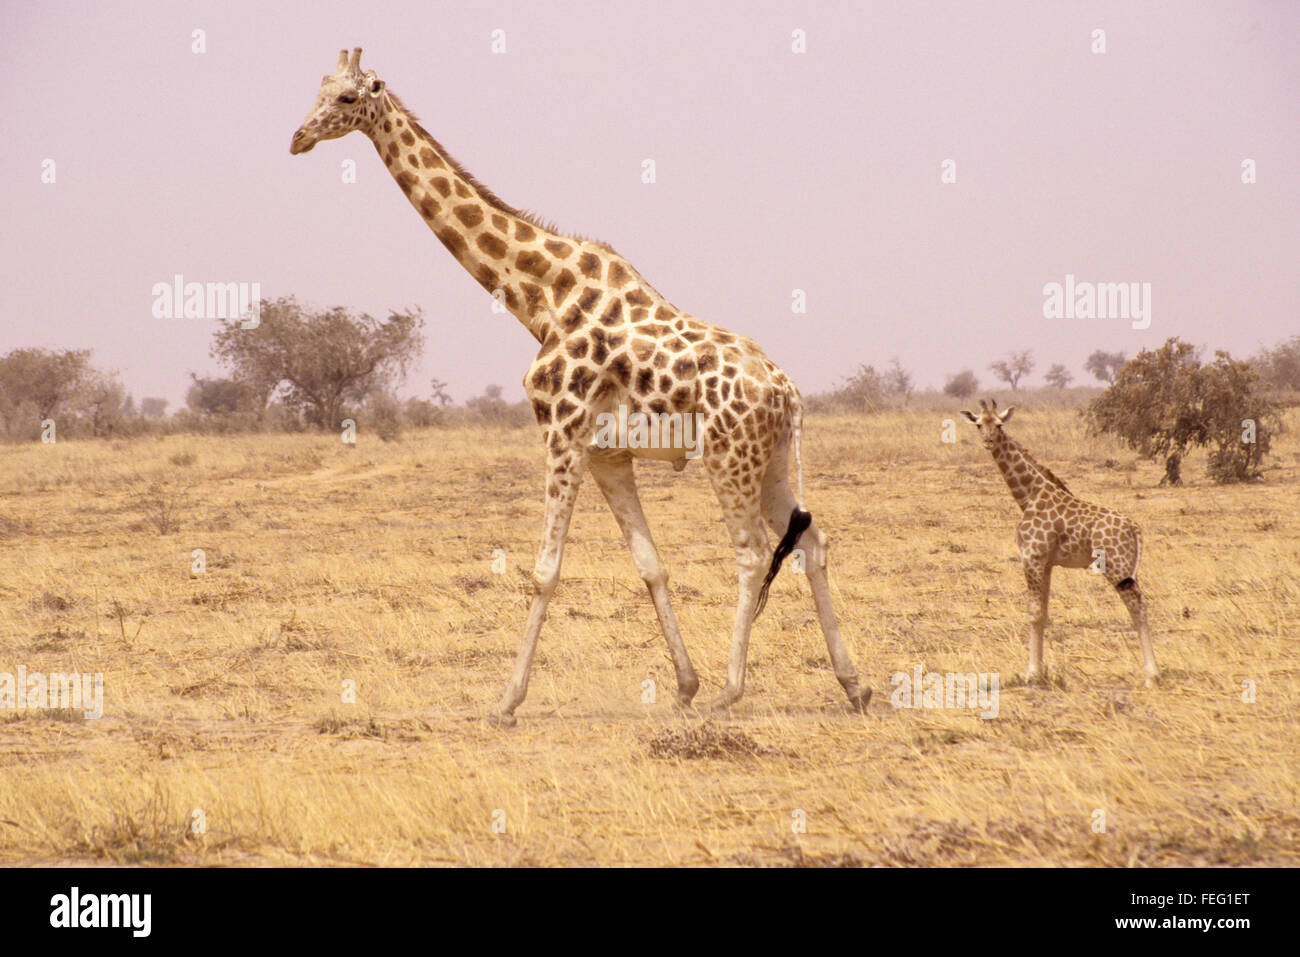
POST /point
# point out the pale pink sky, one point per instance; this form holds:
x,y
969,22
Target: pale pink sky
x,y
775,171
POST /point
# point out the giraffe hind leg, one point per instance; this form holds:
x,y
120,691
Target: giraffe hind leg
x,y
1131,595
1122,555
780,509
737,490
617,482
750,542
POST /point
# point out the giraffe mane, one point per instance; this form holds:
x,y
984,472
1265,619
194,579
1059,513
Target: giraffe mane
x,y
489,197
1042,469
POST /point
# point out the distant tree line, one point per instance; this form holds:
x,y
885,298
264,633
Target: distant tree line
x,y
303,368
60,386
1162,403
866,390
298,369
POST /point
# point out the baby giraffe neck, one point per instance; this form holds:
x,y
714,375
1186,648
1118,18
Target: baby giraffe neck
x,y
1021,477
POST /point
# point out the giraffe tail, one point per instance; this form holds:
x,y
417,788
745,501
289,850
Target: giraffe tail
x,y
799,522
800,518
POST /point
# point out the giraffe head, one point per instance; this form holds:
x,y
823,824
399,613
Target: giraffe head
x,y
347,100
989,421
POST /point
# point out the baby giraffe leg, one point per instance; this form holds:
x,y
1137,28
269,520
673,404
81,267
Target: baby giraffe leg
x,y
1038,578
1132,596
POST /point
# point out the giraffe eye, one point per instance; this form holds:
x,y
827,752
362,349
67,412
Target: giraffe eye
x,y
347,98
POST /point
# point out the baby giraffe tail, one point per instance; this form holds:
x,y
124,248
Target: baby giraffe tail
x,y
800,518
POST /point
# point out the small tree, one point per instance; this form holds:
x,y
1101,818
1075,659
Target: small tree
x,y
153,408
962,385
430,411
1058,376
46,379
1280,366
439,395
1165,402
1240,418
1104,365
489,406
384,414
218,396
320,360
99,402
898,381
864,391
1013,368
420,413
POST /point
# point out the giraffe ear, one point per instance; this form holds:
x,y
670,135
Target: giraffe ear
x,y
374,85
970,417
1004,416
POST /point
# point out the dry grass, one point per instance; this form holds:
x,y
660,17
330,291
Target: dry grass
x,y
374,565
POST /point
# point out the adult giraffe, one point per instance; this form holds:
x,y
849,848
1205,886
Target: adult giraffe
x,y
610,345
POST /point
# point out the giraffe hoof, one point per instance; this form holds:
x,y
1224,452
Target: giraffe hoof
x,y
858,702
502,719
723,701
686,692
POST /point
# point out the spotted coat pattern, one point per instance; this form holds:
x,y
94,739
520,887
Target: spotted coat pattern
x,y
607,340
1058,529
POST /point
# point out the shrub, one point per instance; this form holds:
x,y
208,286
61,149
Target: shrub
x,y
963,385
1165,402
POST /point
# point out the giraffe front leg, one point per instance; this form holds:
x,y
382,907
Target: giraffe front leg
x,y
564,477
1132,595
1038,579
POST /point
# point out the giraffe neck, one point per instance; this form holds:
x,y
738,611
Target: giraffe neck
x,y
512,257
1024,476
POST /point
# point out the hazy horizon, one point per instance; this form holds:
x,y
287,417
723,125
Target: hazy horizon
x,y
776,171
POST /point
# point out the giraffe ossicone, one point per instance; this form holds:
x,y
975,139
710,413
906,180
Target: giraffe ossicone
x,y
1058,529
608,340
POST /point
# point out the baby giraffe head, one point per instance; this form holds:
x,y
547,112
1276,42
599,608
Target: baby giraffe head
x,y
347,100
989,421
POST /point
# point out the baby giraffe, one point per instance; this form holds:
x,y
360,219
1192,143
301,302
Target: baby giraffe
x,y
1059,529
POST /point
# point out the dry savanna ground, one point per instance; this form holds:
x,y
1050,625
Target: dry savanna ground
x,y
372,567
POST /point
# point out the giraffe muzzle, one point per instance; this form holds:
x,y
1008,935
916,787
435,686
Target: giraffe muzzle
x,y
300,143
